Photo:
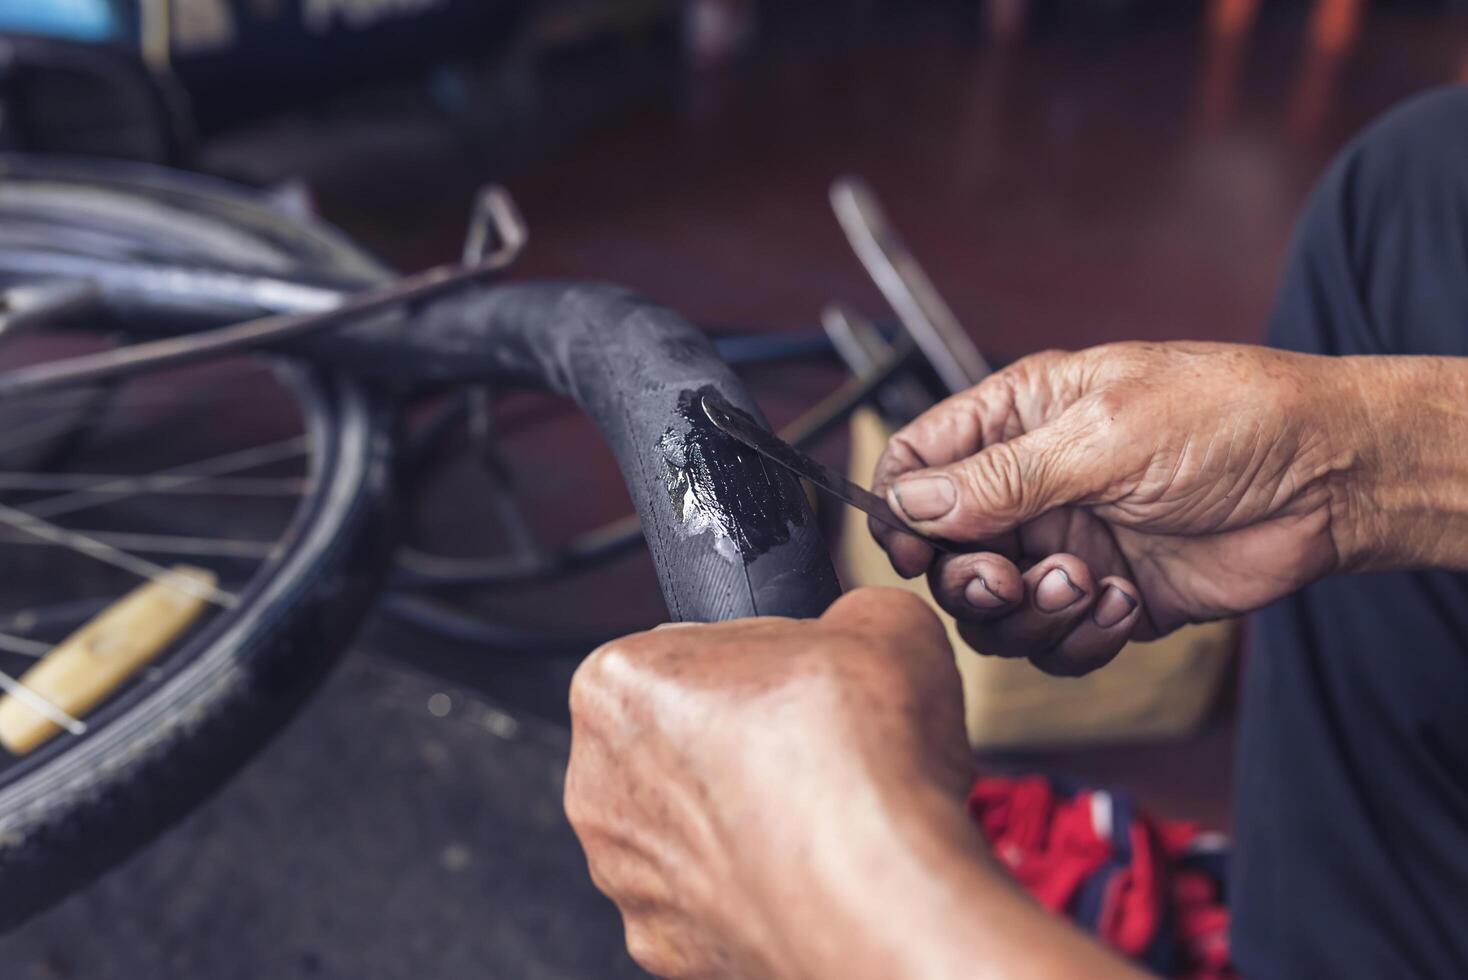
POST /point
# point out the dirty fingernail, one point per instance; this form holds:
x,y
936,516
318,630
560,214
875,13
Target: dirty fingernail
x,y
1113,606
978,594
1056,592
923,498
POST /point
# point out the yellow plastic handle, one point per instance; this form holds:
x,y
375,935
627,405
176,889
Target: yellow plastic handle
x,y
98,658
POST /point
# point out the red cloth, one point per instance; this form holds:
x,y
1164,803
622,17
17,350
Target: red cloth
x,y
1134,881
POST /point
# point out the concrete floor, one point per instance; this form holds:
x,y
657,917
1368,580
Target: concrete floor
x,y
373,840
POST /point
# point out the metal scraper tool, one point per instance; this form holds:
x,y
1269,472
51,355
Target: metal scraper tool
x,y
743,429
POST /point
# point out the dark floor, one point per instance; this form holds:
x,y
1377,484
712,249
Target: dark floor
x,y
374,840
1095,181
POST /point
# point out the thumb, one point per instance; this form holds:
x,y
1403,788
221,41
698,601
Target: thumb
x,y
1004,485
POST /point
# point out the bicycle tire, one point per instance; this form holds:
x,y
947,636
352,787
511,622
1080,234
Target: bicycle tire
x,y
731,536
68,814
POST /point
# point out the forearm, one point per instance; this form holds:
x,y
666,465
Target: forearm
x,y
1405,421
925,901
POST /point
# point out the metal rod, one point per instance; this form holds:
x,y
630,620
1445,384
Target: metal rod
x,y
906,286
42,706
33,305
117,558
512,517
181,475
23,646
194,546
65,614
101,484
861,346
496,207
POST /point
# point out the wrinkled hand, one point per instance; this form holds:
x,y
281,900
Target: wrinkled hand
x,y
751,794
1121,492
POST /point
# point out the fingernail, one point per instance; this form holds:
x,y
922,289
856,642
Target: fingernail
x,y
1056,592
1113,606
923,498
978,594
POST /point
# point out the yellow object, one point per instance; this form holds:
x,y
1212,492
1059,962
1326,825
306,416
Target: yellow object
x,y
1151,690
99,657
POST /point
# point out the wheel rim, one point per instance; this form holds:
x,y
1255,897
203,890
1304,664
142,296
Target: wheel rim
x,y
84,527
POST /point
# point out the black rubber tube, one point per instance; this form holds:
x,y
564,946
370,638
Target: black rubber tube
x,y
731,536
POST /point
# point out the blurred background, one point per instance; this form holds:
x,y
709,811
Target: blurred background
x,y
1070,172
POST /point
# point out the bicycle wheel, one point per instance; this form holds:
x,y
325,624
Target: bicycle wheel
x,y
274,477
729,536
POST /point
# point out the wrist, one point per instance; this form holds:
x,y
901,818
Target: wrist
x,y
923,899
935,905
1403,424
905,890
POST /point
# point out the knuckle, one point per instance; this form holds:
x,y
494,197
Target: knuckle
x,y
637,686
1109,403
610,664
993,481
899,600
602,688
649,951
1039,360
577,813
922,621
900,456
574,800
1033,371
601,869
586,686
895,646
579,695
881,615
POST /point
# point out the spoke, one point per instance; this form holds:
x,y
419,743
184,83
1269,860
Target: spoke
x,y
162,544
23,646
128,485
116,557
483,430
41,706
180,475
66,614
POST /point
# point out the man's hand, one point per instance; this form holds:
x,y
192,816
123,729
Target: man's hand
x,y
734,783
780,798
1125,490
1118,491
